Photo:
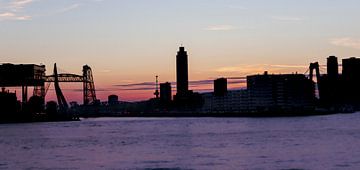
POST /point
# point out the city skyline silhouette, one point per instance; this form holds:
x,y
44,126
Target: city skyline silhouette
x,y
148,88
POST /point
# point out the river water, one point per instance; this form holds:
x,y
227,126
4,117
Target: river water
x,y
317,142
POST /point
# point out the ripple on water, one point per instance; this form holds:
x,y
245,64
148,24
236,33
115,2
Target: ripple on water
x,y
3,165
164,169
342,165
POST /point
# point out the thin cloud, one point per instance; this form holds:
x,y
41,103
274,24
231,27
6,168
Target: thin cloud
x,y
237,81
7,14
25,17
136,84
16,5
13,10
236,78
346,42
220,28
68,8
287,18
139,88
211,82
16,9
13,16
200,82
236,7
21,2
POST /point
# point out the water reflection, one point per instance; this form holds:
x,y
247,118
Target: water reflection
x,y
320,142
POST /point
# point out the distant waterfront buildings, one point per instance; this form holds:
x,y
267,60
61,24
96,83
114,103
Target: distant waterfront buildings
x,y
234,101
113,99
264,93
282,92
292,92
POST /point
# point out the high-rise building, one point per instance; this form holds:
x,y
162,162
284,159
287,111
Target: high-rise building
x,y
330,90
351,68
182,80
332,67
351,80
220,86
165,92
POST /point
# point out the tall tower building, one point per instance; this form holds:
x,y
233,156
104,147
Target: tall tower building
x,y
182,80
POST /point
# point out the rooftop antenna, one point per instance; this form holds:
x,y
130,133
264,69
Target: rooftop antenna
x,y
156,87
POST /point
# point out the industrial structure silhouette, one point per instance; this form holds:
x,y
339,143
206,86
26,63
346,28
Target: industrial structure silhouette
x,y
25,75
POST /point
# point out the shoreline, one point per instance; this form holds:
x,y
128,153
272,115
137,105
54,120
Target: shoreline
x,y
215,115
171,115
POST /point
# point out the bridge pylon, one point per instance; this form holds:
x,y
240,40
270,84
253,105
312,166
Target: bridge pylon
x,y
88,86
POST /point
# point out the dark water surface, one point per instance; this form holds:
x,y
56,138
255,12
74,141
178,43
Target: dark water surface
x,y
318,142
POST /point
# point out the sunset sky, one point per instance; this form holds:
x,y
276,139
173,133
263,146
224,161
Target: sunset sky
x,y
128,42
